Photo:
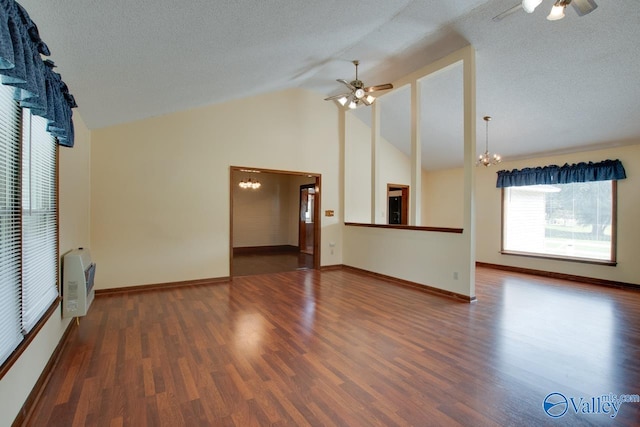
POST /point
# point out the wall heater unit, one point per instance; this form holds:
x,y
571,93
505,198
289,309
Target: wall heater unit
x,y
78,272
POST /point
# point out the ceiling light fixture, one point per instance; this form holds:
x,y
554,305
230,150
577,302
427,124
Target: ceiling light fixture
x,y
356,99
557,11
486,159
358,94
253,184
530,5
582,7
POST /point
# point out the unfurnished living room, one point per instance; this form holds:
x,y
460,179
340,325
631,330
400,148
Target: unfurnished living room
x,y
357,213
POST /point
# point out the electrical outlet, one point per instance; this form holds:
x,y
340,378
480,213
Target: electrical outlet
x,y
455,275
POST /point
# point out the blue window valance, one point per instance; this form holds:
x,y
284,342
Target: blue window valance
x,y
606,170
37,86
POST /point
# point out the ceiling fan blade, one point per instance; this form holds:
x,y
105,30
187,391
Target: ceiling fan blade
x,y
346,83
583,7
378,87
331,98
507,12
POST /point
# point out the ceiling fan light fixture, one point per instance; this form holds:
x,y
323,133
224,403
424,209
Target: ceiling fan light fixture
x,y
557,11
530,5
357,93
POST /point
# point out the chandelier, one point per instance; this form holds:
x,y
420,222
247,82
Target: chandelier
x,y
253,184
487,159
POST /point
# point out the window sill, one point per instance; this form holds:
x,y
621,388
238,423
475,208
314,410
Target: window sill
x,y
561,258
22,346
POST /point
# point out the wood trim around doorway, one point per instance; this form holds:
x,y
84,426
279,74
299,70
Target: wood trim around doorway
x,y
317,207
404,215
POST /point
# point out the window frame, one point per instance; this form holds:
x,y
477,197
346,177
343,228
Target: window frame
x,y
29,336
614,233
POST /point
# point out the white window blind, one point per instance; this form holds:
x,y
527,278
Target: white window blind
x,y
10,248
39,229
28,222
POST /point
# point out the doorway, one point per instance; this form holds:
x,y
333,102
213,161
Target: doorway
x,y
397,204
307,219
274,223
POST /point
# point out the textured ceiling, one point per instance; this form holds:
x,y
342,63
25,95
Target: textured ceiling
x,y
550,86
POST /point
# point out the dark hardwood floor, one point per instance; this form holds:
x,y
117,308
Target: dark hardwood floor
x,y
340,348
277,261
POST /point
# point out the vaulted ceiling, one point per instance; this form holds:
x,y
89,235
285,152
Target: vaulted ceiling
x,y
551,87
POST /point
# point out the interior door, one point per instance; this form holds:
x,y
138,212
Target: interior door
x,y
307,219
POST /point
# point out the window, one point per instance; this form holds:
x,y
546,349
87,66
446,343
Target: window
x,y
574,220
28,222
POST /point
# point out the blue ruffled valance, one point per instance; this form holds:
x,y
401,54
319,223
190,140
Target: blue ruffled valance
x,y
37,86
607,170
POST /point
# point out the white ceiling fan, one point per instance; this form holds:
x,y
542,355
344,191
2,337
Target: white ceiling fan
x,y
582,7
357,93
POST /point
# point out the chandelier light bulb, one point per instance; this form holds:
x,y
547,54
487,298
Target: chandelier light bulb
x,y
249,184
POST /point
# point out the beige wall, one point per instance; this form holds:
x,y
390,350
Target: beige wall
x,y
488,217
160,187
267,216
357,173
261,217
428,258
442,198
74,206
393,167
